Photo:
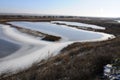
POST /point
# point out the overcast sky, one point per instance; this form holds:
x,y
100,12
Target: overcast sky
x,y
97,8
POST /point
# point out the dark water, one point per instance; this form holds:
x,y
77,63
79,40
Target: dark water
x,y
7,48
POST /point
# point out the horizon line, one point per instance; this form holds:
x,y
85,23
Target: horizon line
x,y
38,14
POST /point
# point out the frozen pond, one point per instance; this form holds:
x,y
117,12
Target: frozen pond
x,y
7,48
67,33
118,21
78,24
34,50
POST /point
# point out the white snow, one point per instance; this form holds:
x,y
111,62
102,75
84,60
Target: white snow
x,y
79,24
118,21
107,69
21,38
25,61
34,50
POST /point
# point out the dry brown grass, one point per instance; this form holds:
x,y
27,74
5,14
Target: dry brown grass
x,y
76,66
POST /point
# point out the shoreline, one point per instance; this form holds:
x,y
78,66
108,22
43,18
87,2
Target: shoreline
x,y
32,50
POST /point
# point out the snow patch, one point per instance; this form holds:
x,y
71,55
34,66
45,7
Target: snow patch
x,y
79,24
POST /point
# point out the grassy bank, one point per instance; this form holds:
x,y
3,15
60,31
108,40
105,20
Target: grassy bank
x,y
78,61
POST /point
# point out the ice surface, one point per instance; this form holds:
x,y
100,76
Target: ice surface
x,y
34,50
69,33
79,24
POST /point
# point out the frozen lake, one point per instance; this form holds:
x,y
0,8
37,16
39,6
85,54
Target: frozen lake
x,y
78,24
118,21
67,33
7,48
34,50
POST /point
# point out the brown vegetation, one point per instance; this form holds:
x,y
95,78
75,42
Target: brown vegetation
x,y
84,63
51,38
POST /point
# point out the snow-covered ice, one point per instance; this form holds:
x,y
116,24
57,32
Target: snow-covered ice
x,y
34,50
67,33
118,21
78,24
